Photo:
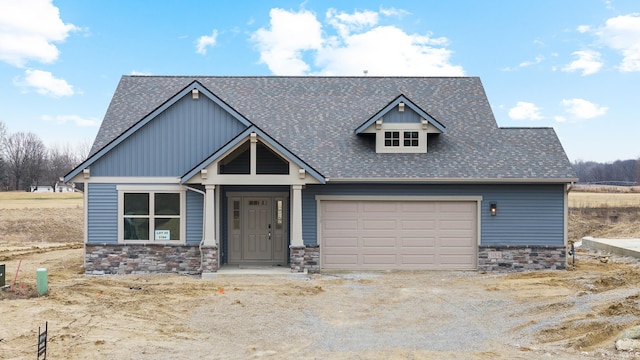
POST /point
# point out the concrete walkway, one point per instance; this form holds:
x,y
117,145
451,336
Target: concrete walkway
x,y
624,247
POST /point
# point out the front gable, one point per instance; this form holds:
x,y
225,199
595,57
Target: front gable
x,y
401,127
252,158
170,140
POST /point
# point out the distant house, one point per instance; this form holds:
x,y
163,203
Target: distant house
x,y
188,174
58,188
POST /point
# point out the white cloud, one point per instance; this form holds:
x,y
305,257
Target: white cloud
x,y
359,44
63,119
45,83
28,29
588,61
580,109
525,111
205,41
346,23
537,60
394,12
281,47
583,28
622,33
140,73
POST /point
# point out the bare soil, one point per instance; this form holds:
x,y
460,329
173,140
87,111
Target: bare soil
x,y
342,315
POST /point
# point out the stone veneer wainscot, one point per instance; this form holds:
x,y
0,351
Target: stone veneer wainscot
x,y
147,259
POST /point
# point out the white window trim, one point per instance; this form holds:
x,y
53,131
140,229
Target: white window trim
x,y
401,128
151,189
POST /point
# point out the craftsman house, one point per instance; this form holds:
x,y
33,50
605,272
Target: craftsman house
x,y
188,174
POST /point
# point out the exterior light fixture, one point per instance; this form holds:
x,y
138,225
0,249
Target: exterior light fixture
x,y
493,209
195,94
401,107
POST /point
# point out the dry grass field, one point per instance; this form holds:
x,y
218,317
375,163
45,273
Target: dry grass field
x,y
552,314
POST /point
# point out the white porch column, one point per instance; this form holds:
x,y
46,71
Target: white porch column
x,y
296,215
210,216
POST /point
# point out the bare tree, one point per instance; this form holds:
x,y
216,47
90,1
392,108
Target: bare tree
x,y
4,179
60,160
82,151
25,155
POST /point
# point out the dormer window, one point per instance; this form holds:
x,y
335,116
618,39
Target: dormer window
x,y
391,138
401,139
401,127
410,138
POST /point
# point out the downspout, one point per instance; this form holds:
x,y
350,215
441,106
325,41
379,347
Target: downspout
x,y
204,223
566,214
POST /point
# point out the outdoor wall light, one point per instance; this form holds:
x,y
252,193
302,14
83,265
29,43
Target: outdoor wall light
x,y
401,107
195,94
493,209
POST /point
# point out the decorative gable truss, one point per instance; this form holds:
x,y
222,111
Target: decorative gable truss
x,y
251,158
401,127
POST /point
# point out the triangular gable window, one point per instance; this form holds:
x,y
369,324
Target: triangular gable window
x,y
267,161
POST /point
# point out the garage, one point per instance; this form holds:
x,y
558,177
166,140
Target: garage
x,y
378,235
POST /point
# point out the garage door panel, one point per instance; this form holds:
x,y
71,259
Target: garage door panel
x,y
398,235
378,259
418,242
371,242
332,242
419,207
418,259
379,207
417,224
379,224
341,260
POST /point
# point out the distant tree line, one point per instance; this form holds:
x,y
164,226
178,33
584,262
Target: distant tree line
x,y
25,161
622,172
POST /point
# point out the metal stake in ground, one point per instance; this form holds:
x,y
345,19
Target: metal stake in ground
x,y
42,342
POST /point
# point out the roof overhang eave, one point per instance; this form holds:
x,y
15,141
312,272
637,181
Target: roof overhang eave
x,y
455,180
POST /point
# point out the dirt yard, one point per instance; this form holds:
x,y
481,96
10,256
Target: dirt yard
x,y
345,315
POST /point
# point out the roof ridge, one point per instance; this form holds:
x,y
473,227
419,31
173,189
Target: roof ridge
x,y
300,76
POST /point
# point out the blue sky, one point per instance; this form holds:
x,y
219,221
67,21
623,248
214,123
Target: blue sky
x,y
573,65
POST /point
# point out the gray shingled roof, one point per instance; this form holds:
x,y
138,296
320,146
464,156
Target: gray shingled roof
x,y
315,118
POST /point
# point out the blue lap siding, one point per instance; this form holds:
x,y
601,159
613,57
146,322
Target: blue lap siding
x,y
102,215
527,214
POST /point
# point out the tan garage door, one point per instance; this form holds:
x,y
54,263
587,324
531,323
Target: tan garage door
x,y
372,235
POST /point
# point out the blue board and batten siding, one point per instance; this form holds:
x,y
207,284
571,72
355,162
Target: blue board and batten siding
x,y
527,214
408,116
102,215
173,143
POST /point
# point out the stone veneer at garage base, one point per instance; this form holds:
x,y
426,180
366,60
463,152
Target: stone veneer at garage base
x,y
149,259
521,258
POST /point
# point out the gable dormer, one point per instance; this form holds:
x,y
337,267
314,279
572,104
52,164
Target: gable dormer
x,y
401,127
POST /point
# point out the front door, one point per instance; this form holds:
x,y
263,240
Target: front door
x,y
257,230
256,238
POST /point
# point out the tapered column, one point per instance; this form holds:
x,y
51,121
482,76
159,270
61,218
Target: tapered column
x,y
296,216
210,216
